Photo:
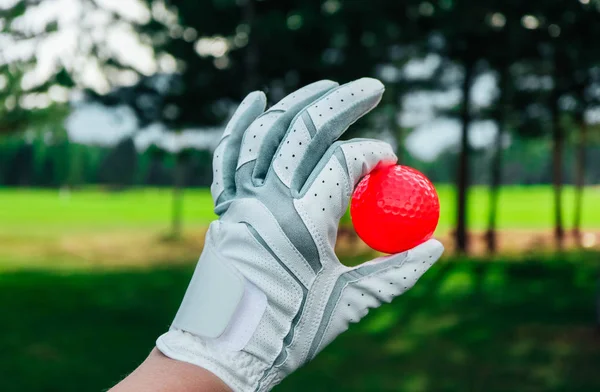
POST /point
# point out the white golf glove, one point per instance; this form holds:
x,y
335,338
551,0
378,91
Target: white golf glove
x,y
269,293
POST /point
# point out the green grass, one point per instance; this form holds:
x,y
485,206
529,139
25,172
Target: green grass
x,y
50,213
473,326
501,326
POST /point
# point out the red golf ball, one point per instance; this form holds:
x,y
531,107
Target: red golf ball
x,y
395,208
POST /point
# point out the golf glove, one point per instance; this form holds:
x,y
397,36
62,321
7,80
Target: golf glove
x,y
269,293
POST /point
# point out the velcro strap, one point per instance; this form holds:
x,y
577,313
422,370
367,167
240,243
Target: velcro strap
x,y
212,297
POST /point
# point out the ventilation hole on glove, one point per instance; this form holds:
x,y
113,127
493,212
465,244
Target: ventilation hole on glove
x,y
280,155
320,115
352,94
362,295
300,143
330,196
217,156
380,291
342,100
286,168
254,137
331,168
323,209
288,142
355,159
293,155
405,278
348,304
431,257
323,181
249,150
330,108
261,125
315,194
337,183
294,130
362,89
415,270
391,283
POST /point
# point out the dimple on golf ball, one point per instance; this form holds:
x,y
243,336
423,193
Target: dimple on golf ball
x,y
395,208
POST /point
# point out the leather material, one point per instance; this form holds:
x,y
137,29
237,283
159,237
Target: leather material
x,y
289,156
254,136
226,154
277,231
218,184
364,156
362,292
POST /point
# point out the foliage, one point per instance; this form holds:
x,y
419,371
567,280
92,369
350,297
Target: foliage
x,y
92,209
203,57
51,160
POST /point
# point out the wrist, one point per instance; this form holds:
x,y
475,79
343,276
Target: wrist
x,y
239,370
159,373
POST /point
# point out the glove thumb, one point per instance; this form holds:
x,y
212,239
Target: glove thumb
x,y
364,287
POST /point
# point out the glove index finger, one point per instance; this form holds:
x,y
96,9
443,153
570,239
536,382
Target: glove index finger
x,y
319,125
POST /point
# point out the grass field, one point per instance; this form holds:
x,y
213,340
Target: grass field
x,y
92,228
77,317
51,212
466,326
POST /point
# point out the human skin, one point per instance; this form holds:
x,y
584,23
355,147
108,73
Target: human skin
x,y
159,373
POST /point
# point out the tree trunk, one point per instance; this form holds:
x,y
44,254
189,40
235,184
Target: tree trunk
x,y
579,179
251,56
396,128
557,173
178,183
496,164
399,135
461,236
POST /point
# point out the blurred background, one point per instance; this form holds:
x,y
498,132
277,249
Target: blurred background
x,y
110,111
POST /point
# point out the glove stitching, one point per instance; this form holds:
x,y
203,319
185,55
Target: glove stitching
x,y
252,203
320,308
291,283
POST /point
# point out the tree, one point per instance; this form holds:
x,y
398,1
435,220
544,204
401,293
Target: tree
x,y
119,166
571,59
506,33
583,59
465,39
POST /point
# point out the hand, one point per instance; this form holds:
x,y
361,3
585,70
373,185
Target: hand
x,y
269,293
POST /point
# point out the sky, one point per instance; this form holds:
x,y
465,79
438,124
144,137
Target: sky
x,y
79,28
93,123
